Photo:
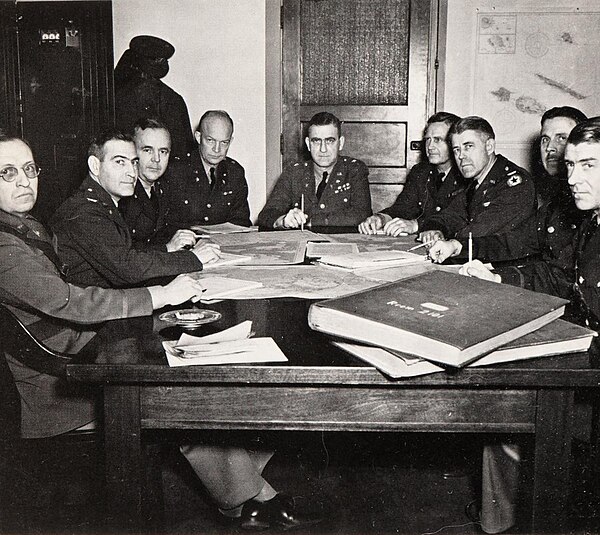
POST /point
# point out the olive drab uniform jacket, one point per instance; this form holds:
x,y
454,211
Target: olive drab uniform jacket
x,y
346,200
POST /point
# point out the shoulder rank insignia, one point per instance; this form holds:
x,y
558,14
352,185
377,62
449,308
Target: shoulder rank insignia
x,y
514,180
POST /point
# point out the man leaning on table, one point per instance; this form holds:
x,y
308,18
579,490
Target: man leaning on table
x,y
330,190
94,239
430,185
93,235
582,160
500,196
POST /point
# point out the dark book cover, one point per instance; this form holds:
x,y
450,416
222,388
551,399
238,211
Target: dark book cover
x,y
440,316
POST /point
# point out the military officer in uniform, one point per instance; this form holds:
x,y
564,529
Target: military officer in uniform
x,y
500,196
429,187
333,189
208,187
93,239
582,159
61,315
140,92
557,217
145,211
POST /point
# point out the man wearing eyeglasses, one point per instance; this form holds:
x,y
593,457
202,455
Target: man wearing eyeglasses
x,y
208,188
328,191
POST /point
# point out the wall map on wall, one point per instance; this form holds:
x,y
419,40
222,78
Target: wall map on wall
x,y
529,62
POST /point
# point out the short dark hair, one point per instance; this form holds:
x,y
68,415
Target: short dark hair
x,y
324,118
143,123
221,114
97,144
443,117
472,122
564,111
586,132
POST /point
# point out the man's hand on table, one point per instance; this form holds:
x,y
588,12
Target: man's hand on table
x,y
295,218
182,288
476,268
441,250
206,252
182,239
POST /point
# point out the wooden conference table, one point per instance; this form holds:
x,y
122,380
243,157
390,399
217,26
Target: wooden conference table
x,y
321,388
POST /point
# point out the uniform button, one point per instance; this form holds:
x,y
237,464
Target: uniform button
x,y
598,284
438,208
185,202
550,230
197,179
228,204
345,200
420,203
581,279
321,206
209,205
133,231
205,218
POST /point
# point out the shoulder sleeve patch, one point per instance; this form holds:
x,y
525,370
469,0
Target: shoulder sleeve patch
x,y
514,180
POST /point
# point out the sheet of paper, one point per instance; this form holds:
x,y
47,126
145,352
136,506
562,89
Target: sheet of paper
x,y
258,350
283,247
237,332
318,249
222,228
227,259
219,287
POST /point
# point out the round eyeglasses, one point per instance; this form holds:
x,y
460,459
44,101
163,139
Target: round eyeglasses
x,y
10,172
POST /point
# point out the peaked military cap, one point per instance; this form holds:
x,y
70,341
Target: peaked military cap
x,y
151,47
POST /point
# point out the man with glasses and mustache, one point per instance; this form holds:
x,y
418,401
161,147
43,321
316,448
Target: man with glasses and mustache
x,y
330,190
60,314
430,186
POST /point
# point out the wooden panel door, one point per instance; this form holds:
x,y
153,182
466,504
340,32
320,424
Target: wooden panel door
x,y
371,63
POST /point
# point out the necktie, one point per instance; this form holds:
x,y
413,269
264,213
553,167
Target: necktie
x,y
439,180
321,186
154,198
213,178
471,192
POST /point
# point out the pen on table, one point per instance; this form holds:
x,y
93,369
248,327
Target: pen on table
x,y
202,236
422,245
302,210
470,247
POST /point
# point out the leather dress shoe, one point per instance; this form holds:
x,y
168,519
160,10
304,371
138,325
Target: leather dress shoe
x,y
279,512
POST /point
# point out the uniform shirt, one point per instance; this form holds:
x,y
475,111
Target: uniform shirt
x,y
61,315
191,200
423,195
346,200
96,245
547,236
503,201
141,216
587,272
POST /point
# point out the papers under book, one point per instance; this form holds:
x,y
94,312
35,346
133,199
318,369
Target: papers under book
x,y
555,338
231,346
371,260
319,249
440,316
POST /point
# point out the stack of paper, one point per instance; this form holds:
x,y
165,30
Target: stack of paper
x,y
223,228
231,346
555,338
370,261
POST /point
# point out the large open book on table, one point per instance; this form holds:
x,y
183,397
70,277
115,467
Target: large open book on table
x,y
555,338
440,316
